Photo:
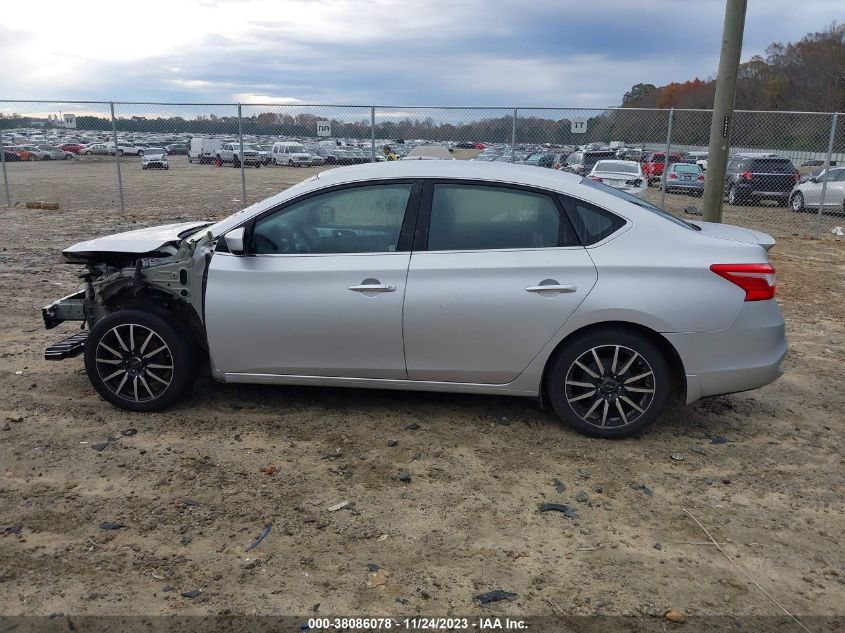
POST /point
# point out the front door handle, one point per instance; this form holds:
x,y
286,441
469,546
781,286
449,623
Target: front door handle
x,y
373,288
553,288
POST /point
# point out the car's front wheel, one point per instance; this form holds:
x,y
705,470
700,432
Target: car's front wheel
x,y
610,383
797,202
139,361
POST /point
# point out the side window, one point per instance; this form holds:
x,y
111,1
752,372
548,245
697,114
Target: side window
x,y
477,217
592,224
840,175
353,220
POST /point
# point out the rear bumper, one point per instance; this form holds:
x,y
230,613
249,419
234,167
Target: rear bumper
x,y
747,355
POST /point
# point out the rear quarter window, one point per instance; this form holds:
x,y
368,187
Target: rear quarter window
x,y
592,224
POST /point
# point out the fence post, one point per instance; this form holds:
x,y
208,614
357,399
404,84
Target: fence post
x,y
666,159
826,169
241,156
513,137
372,134
5,176
117,157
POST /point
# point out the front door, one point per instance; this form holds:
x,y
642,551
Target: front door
x,y
320,290
500,272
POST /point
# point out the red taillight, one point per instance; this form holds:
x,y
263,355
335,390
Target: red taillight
x,y
746,175
758,280
701,177
797,177
596,178
673,176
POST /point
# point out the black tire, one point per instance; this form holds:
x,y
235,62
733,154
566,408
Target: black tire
x,y
236,163
733,196
797,202
612,400
179,352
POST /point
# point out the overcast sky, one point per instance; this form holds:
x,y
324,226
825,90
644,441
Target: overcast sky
x,y
395,52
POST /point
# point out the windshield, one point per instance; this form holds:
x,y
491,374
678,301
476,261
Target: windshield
x,y
618,168
637,201
153,150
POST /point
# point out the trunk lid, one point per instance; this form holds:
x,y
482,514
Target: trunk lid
x,y
735,233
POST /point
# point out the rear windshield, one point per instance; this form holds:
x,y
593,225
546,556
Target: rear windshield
x,y
618,168
589,182
687,168
772,166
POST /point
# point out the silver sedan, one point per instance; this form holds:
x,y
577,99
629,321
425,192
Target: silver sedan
x,y
808,194
437,276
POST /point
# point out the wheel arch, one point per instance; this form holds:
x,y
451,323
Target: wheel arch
x,y
177,313
670,354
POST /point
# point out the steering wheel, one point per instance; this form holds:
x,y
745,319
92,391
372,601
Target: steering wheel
x,y
294,239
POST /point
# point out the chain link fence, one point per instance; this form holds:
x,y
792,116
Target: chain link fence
x,y
221,157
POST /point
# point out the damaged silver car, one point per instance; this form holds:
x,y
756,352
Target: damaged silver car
x,y
439,276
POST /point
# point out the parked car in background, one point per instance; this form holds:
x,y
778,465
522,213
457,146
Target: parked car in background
x,y
625,175
653,165
177,149
329,156
154,158
292,154
96,149
265,153
751,178
231,153
10,156
74,148
605,306
204,150
683,177
52,152
696,158
26,152
582,161
808,194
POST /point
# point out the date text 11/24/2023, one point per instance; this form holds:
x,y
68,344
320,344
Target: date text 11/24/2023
x,y
415,624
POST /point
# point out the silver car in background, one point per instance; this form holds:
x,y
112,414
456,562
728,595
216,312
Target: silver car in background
x,y
686,177
626,175
438,276
808,193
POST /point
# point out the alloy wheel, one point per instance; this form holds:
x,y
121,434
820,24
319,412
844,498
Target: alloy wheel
x,y
134,362
610,386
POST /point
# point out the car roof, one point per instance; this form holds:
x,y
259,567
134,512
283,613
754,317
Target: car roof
x,y
501,172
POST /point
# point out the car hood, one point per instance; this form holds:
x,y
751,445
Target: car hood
x,y
735,233
137,241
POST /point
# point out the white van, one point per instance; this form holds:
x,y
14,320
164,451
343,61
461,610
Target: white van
x,y
203,149
293,154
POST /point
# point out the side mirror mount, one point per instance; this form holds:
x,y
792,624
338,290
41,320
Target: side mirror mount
x,y
235,240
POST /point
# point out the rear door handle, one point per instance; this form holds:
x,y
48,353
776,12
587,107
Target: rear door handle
x,y
373,288
553,288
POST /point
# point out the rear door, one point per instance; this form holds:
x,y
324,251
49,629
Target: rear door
x,y
496,271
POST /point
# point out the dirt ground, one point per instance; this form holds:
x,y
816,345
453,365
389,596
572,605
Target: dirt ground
x,y
763,471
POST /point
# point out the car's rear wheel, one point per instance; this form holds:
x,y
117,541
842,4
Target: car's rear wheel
x,y
733,196
139,361
610,383
797,202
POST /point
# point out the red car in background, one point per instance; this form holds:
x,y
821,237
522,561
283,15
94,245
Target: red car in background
x,y
74,148
653,164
